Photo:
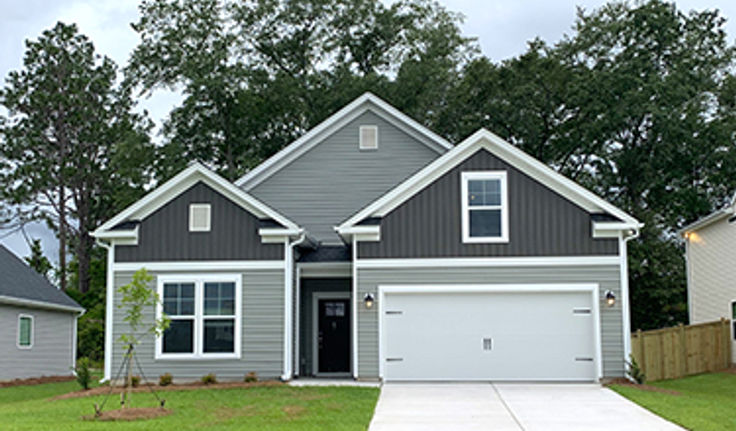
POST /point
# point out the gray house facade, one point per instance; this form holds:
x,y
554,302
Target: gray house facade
x,y
39,335
371,248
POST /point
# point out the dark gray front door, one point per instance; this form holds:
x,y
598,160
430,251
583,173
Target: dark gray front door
x,y
333,335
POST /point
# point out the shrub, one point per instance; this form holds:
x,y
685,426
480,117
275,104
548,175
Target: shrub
x,y
165,379
84,377
209,379
135,381
634,371
251,377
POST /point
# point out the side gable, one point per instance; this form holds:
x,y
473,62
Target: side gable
x,y
335,122
164,234
541,221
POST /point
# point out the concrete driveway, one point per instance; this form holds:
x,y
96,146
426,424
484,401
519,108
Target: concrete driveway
x,y
509,406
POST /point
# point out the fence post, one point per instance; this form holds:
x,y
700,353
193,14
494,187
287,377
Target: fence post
x,y
726,340
642,356
683,350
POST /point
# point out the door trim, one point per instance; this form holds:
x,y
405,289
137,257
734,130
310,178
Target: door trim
x,y
316,297
591,288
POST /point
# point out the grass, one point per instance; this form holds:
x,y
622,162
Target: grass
x,y
706,402
257,408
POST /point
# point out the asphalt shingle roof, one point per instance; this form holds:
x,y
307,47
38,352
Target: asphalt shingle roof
x,y
20,281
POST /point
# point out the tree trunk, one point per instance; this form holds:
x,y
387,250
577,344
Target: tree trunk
x,y
84,244
62,238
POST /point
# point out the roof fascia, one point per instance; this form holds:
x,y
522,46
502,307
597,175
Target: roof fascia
x,y
348,113
10,300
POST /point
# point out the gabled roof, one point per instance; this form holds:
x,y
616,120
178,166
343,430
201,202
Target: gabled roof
x,y
21,285
483,139
367,101
726,212
172,188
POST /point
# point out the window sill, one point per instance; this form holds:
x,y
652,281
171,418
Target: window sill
x,y
188,357
485,240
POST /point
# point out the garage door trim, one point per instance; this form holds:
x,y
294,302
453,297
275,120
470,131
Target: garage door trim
x,y
591,288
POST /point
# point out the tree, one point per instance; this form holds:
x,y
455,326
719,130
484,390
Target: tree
x,y
74,150
37,260
257,74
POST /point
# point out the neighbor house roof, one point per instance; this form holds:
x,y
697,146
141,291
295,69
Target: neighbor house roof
x,y
366,102
125,223
21,285
483,139
728,211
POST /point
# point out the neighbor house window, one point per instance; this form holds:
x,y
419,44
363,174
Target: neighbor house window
x,y
25,331
733,318
484,207
368,138
199,217
205,315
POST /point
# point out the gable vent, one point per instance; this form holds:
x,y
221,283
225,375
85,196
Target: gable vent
x,y
368,137
199,217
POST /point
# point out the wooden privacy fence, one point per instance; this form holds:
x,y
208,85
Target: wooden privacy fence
x,y
682,350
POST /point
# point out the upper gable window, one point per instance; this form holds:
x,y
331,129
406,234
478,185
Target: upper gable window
x,y
368,138
199,217
485,207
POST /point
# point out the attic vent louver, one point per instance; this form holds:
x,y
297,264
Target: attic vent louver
x,y
368,137
199,218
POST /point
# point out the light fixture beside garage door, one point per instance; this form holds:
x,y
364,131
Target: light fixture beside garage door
x,y
610,298
368,300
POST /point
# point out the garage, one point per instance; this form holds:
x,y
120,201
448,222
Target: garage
x,y
493,332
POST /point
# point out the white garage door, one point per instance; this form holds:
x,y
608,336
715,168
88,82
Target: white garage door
x,y
489,336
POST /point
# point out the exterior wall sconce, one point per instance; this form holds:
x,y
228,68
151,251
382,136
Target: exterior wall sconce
x,y
610,298
368,300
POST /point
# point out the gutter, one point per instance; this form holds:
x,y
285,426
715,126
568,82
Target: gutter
x,y
625,302
110,247
40,304
289,303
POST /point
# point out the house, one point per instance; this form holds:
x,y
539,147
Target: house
x,y
711,268
372,248
39,321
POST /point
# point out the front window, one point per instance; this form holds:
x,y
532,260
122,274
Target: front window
x,y
733,318
484,206
205,315
25,331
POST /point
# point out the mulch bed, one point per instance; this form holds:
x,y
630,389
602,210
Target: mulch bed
x,y
36,381
644,387
104,390
130,414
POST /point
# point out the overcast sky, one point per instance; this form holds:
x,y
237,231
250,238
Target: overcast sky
x,y
502,27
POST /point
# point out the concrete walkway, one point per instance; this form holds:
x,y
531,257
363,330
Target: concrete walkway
x,y
509,406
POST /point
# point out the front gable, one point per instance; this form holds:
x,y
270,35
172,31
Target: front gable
x,y
165,236
540,221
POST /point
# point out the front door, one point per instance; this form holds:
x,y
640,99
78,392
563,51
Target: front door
x,y
333,336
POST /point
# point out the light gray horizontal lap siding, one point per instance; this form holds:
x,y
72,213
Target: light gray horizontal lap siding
x,y
335,179
541,222
51,354
262,331
608,278
164,235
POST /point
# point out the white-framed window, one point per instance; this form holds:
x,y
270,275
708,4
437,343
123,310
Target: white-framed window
x,y
25,331
205,313
368,138
200,217
485,209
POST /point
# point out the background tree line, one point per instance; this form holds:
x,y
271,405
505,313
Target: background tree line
x,y
637,104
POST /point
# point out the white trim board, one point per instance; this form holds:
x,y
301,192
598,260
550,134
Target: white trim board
x,y
592,288
199,265
316,296
10,300
483,139
489,261
180,183
348,113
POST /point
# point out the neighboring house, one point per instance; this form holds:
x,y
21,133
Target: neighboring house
x,y
711,268
38,321
372,248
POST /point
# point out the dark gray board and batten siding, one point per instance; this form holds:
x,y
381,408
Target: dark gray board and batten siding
x,y
164,235
541,222
335,179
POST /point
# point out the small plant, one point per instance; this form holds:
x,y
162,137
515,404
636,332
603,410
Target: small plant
x,y
251,377
84,377
634,371
135,381
165,379
209,379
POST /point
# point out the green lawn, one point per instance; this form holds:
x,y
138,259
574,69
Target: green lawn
x,y
257,408
706,402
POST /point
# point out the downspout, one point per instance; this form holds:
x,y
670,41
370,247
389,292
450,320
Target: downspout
x,y
108,308
289,304
625,299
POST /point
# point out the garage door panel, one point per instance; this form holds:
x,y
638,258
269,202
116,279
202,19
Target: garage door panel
x,y
529,336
